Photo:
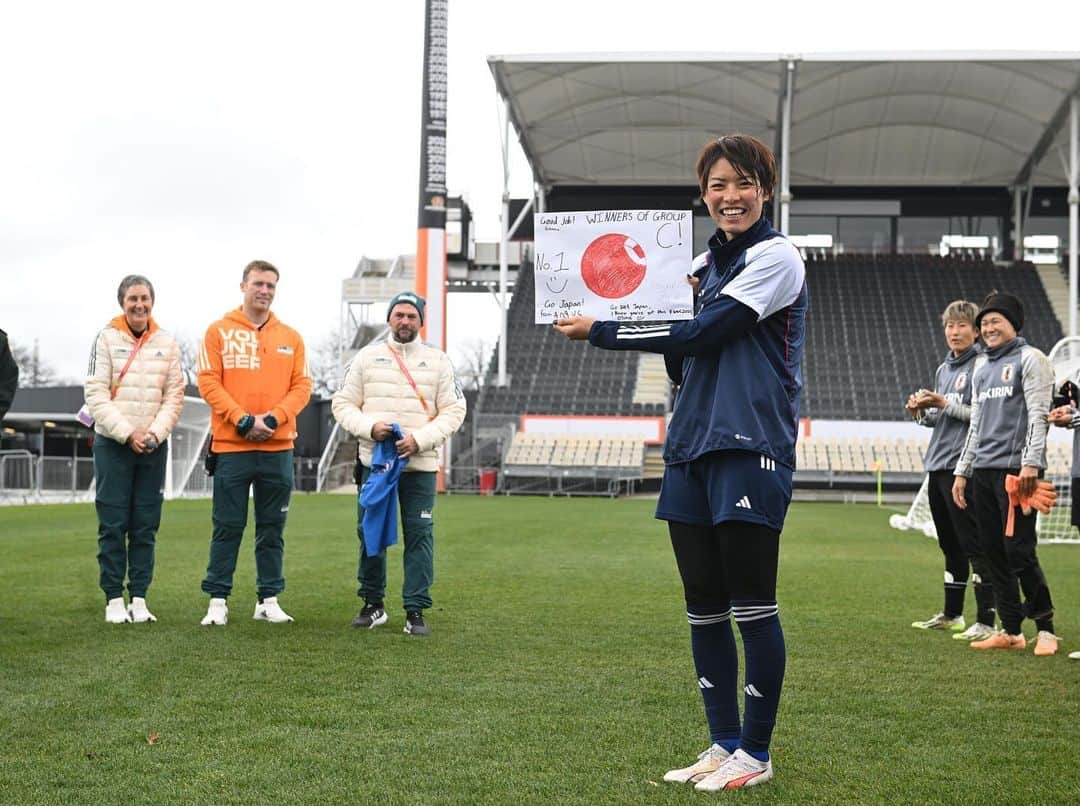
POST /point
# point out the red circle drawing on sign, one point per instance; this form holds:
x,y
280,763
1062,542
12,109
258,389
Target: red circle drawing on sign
x,y
613,265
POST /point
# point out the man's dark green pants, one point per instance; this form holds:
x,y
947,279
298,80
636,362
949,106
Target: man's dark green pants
x,y
270,474
416,498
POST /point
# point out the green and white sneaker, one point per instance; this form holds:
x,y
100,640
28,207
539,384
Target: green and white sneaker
x,y
976,632
939,622
707,762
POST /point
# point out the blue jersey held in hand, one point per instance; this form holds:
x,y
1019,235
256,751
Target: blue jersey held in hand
x,y
379,496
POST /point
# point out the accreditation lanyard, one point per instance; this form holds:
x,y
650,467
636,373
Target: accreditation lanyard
x,y
412,383
139,343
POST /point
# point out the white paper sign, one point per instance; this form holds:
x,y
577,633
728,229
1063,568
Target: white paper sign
x,y
628,265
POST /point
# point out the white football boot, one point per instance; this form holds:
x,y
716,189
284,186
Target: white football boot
x,y
741,769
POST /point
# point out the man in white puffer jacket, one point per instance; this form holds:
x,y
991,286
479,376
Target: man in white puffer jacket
x,y
134,390
406,382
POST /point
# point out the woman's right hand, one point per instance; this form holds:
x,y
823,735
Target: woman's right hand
x,y
958,497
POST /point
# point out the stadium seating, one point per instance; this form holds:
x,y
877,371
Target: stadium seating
x,y
860,455
874,328
551,375
585,453
873,336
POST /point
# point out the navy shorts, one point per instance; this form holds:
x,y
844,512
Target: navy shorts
x,y
726,486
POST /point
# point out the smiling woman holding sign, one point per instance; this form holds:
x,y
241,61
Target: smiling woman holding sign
x,y
730,451
134,391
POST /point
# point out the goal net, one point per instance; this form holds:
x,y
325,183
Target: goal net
x,y
1056,527
918,515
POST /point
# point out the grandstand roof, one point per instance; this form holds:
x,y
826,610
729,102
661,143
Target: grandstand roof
x,y
919,119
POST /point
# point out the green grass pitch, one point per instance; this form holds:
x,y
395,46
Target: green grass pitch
x,y
559,669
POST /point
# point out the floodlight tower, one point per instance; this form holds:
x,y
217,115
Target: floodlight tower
x,y
431,233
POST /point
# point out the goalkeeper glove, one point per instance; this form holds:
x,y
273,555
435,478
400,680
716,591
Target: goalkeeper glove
x,y
1042,499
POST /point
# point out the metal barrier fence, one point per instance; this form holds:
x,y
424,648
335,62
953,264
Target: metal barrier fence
x,y
25,477
470,479
18,474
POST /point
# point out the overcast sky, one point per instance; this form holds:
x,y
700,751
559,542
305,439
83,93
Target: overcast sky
x,y
181,141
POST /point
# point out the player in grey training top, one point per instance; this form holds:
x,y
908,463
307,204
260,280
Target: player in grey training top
x,y
1012,386
947,410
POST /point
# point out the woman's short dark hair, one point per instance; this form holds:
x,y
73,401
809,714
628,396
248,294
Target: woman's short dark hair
x,y
133,280
750,158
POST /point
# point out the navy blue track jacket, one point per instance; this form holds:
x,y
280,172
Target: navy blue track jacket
x,y
738,362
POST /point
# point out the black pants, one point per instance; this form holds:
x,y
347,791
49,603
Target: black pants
x,y
959,542
1013,559
732,560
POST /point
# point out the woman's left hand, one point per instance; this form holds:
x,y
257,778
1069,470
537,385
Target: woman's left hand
x,y
575,328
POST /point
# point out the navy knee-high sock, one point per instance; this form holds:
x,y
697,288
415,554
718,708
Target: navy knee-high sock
x,y
763,646
716,661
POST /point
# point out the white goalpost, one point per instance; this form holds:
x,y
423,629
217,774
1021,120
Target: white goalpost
x,y
1055,527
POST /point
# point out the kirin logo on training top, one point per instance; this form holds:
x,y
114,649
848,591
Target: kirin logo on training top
x,y
961,381
1006,373
239,348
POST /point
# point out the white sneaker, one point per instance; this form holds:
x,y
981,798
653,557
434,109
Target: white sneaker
x,y
115,613
1074,655
270,610
976,632
706,763
217,613
741,769
137,611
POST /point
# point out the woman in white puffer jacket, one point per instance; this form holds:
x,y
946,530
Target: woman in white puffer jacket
x,y
134,391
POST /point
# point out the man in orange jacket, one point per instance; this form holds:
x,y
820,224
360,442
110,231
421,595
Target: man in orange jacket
x,y
253,374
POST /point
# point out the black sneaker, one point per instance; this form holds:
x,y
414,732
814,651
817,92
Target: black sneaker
x,y
371,615
414,623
